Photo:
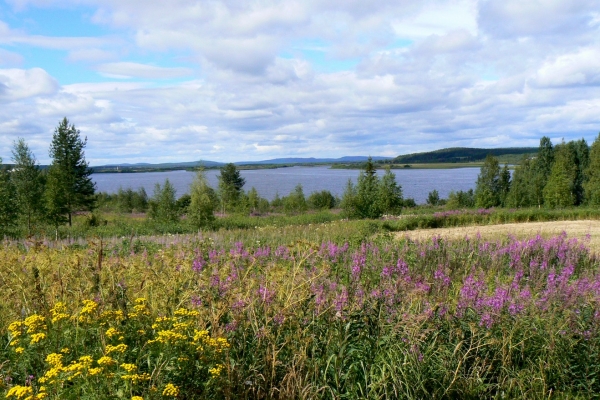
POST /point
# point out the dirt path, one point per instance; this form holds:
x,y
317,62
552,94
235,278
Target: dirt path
x,y
578,229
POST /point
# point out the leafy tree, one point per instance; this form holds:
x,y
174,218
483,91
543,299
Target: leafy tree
x,y
433,198
69,187
295,202
348,202
230,185
460,199
28,185
8,214
163,205
203,201
390,199
520,193
321,200
277,202
592,174
560,188
487,190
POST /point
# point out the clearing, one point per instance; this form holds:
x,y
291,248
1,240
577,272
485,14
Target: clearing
x,y
586,230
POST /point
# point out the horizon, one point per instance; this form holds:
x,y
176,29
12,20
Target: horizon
x,y
232,80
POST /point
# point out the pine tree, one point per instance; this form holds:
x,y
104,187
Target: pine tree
x,y
541,169
69,187
582,157
367,190
592,175
560,188
504,184
27,180
487,190
230,185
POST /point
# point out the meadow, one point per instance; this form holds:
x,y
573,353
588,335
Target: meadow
x,y
348,311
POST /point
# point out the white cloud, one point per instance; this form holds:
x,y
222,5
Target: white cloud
x,y
136,70
573,69
19,84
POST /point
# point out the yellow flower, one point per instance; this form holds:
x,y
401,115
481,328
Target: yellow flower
x,y
15,328
37,337
170,390
129,367
110,332
19,392
120,348
106,361
140,300
137,398
19,350
54,359
35,323
94,371
65,350
136,378
59,312
216,371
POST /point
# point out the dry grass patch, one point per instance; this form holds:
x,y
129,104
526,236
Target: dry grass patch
x,y
587,230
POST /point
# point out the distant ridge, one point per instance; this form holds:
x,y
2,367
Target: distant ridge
x,y
312,160
461,154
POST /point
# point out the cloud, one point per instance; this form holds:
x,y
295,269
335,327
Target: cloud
x,y
19,84
574,69
9,58
123,70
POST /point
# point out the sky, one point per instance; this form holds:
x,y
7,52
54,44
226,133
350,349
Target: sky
x,y
237,80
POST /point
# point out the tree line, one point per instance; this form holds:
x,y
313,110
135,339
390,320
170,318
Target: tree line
x,y
559,176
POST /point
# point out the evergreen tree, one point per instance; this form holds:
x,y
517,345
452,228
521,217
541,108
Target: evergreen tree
x,y
230,185
8,214
163,205
560,188
203,201
321,200
69,187
520,193
253,200
390,194
28,185
541,169
367,190
504,184
592,175
582,161
487,190
348,202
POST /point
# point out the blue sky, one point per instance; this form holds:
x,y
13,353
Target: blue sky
x,y
231,80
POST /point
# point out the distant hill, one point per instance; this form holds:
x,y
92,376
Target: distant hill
x,y
312,160
461,154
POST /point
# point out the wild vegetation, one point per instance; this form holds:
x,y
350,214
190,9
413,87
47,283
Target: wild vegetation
x,y
222,294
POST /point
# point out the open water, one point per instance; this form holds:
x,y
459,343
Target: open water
x,y
416,183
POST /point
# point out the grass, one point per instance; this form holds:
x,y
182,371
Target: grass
x,y
319,311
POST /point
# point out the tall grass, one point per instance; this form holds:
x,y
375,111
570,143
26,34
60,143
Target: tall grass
x,y
371,318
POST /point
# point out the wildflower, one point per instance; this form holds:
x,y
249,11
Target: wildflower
x,y
120,348
19,350
129,367
170,390
136,378
110,332
94,371
54,359
216,371
65,350
35,323
59,312
37,337
105,360
137,398
15,328
20,392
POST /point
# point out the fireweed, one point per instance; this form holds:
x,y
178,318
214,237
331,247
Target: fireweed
x,y
380,319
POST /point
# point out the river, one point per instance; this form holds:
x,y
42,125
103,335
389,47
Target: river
x,y
416,183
